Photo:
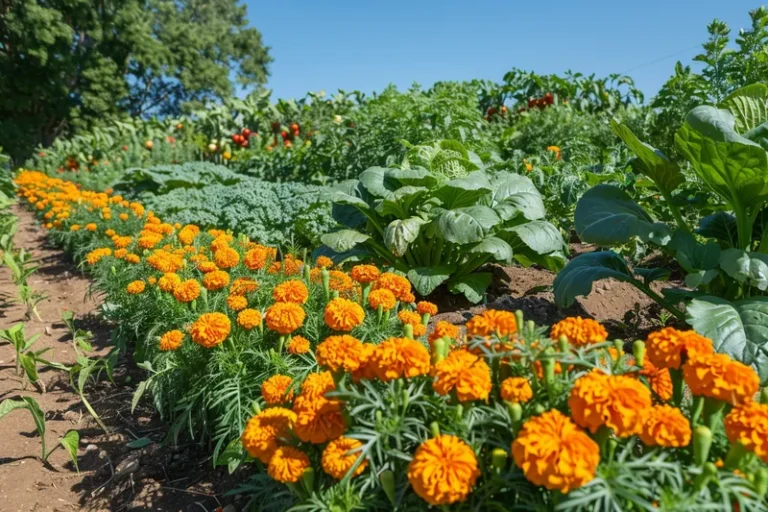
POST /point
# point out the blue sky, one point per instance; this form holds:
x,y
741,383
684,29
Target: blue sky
x,y
366,45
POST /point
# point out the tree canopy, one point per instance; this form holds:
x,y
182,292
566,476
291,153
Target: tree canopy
x,y
68,64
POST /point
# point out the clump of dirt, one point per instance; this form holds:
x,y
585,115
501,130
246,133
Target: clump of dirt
x,y
113,474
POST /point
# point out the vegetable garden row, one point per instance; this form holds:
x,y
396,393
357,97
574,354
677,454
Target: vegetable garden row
x,y
275,269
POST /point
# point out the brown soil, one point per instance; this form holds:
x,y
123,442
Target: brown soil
x,y
112,475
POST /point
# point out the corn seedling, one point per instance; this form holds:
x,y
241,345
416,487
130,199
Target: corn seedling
x,y
26,359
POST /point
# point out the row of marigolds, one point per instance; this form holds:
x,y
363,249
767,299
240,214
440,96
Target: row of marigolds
x,y
337,385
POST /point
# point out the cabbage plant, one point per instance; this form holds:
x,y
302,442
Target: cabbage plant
x,y
724,257
440,217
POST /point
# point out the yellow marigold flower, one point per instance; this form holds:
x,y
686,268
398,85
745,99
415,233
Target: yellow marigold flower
x,y
718,376
339,457
343,315
243,285
210,329
287,464
215,280
465,373
516,389
74,227
426,308
298,345
579,331
669,348
292,290
186,291
555,453
237,302
120,253
265,432
132,258
135,287
206,267
220,241
95,255
365,273
323,262
748,424
400,357
149,240
168,282
171,340
91,226
340,353
277,389
617,401
226,257
409,317
443,329
384,298
492,321
666,426
659,379
443,470
123,216
188,233
398,285
121,242
285,317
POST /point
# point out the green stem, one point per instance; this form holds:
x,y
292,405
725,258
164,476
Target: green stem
x,y
658,298
676,212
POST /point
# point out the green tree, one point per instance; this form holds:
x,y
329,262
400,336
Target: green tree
x,y
71,64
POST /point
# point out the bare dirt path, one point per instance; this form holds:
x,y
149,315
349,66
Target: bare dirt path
x,y
112,475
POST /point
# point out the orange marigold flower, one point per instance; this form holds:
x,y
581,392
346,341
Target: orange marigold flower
x,y
579,331
339,353
132,258
492,321
384,298
555,453
409,317
339,281
617,401
220,241
95,255
215,280
287,464
318,419
659,379
256,259
323,262
207,266
248,319
121,242
718,376
748,424
237,302
339,457
243,285
419,330
277,389
398,285
164,261
365,273
443,329
292,290
151,280
74,227
408,298
443,470
186,291
426,308
226,257
210,329
516,389
171,340
285,317
135,287
394,358
343,314
188,233
168,282
91,226
265,432
666,426
298,345
465,373
669,348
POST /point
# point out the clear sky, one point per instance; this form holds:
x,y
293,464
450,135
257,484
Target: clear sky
x,y
367,44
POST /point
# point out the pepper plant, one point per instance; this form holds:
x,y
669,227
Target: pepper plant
x,y
440,217
724,257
